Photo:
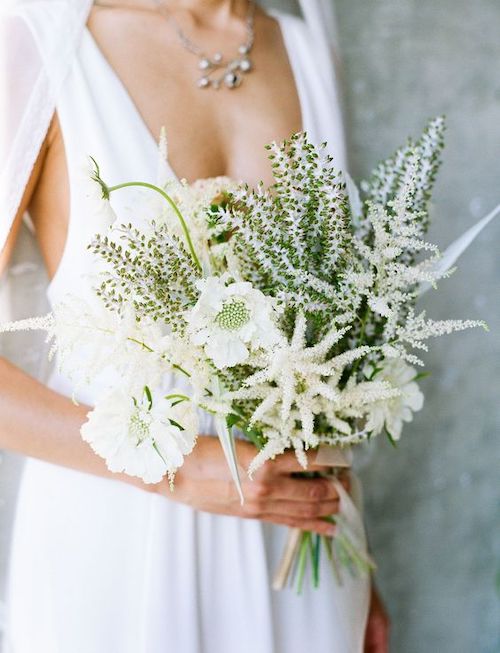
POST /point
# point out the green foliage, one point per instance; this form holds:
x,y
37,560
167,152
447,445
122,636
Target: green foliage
x,y
414,165
152,272
294,242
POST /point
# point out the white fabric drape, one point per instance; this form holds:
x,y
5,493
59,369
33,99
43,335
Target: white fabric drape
x,y
28,96
29,90
320,17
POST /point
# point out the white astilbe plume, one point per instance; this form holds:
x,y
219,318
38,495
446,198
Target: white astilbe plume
x,y
41,323
396,229
394,281
274,446
291,380
347,415
283,435
393,225
417,329
357,395
88,339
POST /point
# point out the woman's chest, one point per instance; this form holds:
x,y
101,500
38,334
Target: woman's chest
x,y
210,132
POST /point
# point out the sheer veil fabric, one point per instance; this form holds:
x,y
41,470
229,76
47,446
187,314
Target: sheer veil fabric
x,y
30,78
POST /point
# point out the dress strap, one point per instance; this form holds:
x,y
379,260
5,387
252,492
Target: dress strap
x,y
317,84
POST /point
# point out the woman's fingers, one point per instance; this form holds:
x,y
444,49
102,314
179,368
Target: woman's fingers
x,y
290,509
292,489
276,494
319,526
287,463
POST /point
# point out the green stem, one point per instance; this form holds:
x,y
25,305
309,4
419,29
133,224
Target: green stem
x,y
181,369
304,544
344,559
361,340
355,556
315,560
174,206
142,344
178,396
331,556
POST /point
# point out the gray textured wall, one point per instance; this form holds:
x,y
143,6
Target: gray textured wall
x,y
433,506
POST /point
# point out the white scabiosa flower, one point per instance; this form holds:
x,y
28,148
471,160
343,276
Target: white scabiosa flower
x,y
146,437
392,412
231,319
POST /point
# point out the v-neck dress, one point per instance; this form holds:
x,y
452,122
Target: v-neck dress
x,y
98,566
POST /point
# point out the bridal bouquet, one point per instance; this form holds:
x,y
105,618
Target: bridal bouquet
x,y
289,314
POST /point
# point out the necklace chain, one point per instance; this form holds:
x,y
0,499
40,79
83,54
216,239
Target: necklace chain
x,y
217,71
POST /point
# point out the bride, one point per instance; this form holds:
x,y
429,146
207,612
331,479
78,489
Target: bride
x,y
100,562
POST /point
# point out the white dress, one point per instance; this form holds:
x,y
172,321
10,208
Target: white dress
x,y
101,567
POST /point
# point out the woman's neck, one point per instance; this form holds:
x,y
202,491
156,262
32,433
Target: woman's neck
x,y
204,4
208,12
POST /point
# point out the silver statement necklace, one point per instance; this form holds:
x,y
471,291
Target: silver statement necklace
x,y
217,71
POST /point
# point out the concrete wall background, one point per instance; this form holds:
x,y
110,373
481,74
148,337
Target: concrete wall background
x,y
433,505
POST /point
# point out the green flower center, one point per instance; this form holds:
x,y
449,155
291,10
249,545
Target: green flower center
x,y
233,316
138,426
300,384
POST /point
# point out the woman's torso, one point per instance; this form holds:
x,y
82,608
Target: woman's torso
x,y
97,116
149,574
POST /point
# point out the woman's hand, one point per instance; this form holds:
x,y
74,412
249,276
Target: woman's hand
x,y
377,627
204,483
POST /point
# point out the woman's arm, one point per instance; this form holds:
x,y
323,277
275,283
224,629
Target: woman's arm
x,y
34,420
41,423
